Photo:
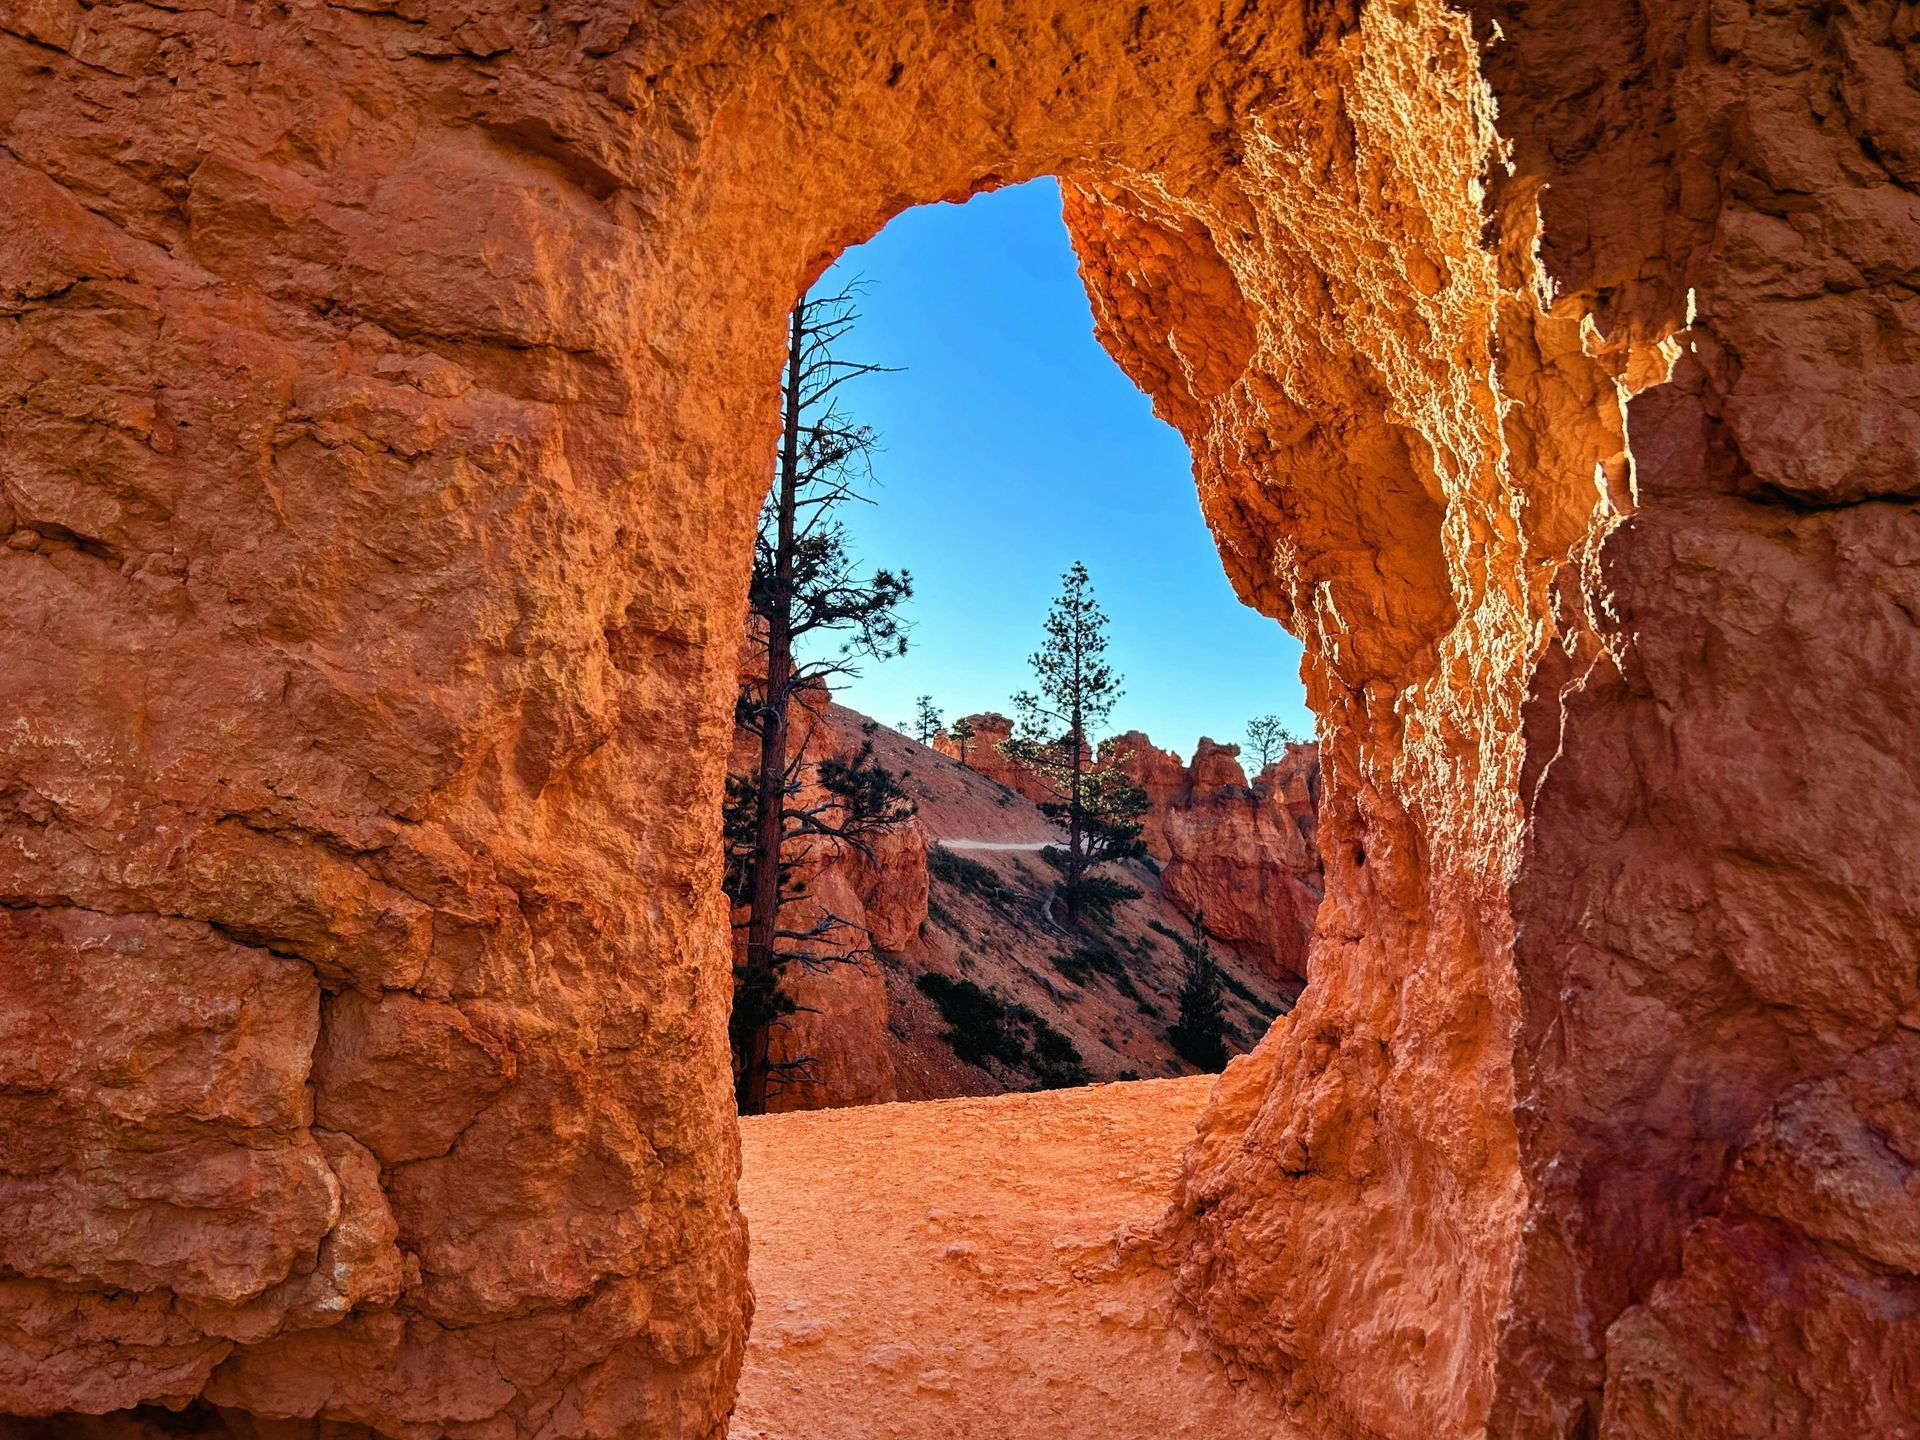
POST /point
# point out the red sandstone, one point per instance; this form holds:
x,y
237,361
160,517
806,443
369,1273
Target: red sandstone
x,y
378,470
1244,858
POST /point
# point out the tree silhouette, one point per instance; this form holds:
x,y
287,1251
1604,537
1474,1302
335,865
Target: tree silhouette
x,y
805,586
925,725
1100,806
1199,1036
1267,740
962,733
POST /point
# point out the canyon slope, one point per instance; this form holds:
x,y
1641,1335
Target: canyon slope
x,y
976,985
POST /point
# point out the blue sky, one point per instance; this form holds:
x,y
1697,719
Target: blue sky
x,y
1012,446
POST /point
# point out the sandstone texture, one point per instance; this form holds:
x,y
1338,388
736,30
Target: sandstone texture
x,y
378,465
1721,879
1244,859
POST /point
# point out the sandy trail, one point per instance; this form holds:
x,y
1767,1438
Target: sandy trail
x,y
948,1271
947,844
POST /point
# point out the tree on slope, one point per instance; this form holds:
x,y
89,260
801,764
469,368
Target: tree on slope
x,y
962,733
806,597
925,725
1099,805
1267,741
1199,1036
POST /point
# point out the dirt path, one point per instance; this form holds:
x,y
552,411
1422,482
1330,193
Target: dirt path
x,y
948,1271
947,844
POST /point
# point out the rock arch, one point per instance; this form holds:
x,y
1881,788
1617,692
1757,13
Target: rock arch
x,y
388,390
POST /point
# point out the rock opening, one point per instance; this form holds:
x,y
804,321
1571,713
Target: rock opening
x,y
377,491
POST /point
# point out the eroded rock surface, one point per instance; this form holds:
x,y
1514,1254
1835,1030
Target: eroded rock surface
x,y
1244,859
378,471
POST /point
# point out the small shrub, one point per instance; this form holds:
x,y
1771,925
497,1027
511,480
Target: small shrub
x,y
1097,895
1199,1036
967,874
1233,983
1252,1001
982,1026
976,1020
1090,960
1056,1062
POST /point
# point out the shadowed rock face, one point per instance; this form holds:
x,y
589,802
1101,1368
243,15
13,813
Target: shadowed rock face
x,y
380,462
871,897
1715,950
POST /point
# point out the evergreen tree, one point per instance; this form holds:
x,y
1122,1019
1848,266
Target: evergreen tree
x,y
1200,1035
1267,741
926,720
805,586
1099,806
962,733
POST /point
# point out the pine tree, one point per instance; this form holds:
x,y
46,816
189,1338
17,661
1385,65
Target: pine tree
x,y
1099,806
805,586
926,720
1267,740
962,733
1200,1035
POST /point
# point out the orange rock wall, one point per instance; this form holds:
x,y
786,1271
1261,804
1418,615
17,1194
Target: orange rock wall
x,y
1717,1070
878,891
1244,857
377,480
991,730
1160,774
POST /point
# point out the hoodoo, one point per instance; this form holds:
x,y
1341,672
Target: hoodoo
x,y
389,390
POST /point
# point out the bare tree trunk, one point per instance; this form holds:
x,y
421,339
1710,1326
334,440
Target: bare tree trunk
x,y
1074,866
763,912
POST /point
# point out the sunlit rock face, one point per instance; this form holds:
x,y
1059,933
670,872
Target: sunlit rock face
x,y
388,397
992,730
1718,1081
1242,859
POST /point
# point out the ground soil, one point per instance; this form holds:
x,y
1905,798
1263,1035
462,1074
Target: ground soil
x,y
973,1268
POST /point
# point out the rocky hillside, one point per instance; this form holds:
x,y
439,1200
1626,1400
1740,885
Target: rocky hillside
x,y
976,986
1245,857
